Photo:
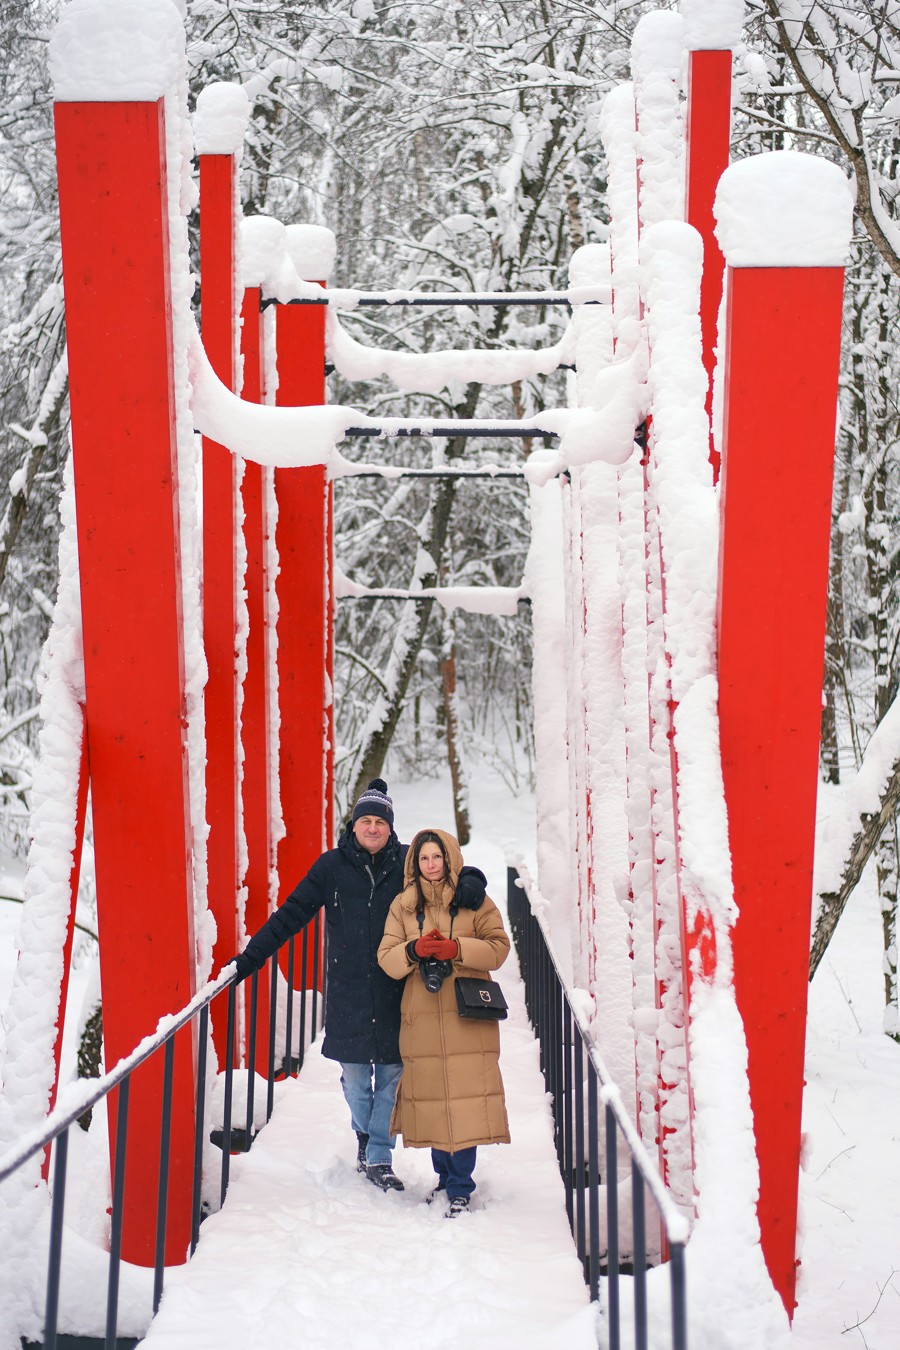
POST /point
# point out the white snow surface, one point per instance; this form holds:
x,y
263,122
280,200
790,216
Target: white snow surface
x,y
657,45
312,250
126,51
712,25
220,119
784,209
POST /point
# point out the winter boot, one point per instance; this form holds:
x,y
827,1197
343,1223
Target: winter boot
x,y
458,1205
362,1141
382,1176
436,1194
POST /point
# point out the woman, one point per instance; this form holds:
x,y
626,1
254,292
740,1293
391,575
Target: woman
x,y
451,1094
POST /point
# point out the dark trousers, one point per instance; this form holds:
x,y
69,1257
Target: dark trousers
x,y
455,1170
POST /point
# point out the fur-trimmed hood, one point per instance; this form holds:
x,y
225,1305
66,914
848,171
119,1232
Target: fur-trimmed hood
x,y
440,892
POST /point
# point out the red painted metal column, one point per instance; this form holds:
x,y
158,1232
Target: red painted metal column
x,y
256,787
304,607
218,207
782,344
115,241
707,151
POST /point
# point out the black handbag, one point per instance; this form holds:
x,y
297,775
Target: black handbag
x,y
480,998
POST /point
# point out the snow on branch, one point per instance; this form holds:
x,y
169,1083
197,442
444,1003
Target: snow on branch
x,y
850,833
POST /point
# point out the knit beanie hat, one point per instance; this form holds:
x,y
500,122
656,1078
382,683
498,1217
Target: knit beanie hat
x,y
375,802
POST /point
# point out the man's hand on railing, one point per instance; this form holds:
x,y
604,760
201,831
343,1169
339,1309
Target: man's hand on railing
x,y
244,966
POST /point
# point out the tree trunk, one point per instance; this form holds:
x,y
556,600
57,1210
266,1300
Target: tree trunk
x,y
458,777
888,891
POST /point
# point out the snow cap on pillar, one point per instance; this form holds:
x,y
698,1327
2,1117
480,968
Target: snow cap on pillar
x,y
263,250
312,250
116,51
657,47
784,209
712,25
220,119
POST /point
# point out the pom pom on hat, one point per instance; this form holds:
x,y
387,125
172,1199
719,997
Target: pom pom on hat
x,y
374,802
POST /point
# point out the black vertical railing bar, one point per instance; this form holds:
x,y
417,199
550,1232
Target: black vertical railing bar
x,y
594,1188
54,1261
559,1028
304,966
289,1008
251,1057
229,1092
568,1123
612,1226
162,1187
679,1296
273,1012
559,1094
118,1199
582,1179
199,1127
640,1257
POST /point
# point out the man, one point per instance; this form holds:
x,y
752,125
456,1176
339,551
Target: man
x,y
355,883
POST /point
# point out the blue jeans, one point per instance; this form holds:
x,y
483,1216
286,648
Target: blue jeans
x,y
455,1170
370,1090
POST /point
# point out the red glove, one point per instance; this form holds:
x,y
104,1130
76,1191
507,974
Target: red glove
x,y
432,944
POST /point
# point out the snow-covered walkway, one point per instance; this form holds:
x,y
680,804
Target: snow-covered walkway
x,y
306,1253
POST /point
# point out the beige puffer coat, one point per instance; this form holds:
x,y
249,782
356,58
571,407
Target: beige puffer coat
x,y
451,1093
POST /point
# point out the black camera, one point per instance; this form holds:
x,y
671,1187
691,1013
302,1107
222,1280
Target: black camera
x,y
434,973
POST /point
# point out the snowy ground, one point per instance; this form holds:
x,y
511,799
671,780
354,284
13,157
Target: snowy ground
x,y
307,1253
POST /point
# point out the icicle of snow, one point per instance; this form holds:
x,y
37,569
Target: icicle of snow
x,y
784,209
596,697
182,197
546,586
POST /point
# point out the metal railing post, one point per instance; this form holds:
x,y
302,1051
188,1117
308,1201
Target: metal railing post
x,y
162,1198
54,1263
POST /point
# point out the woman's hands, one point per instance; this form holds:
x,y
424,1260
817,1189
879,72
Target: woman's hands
x,y
434,944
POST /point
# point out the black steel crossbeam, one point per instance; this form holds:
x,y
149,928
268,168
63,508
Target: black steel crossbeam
x,y
484,298
517,474
459,428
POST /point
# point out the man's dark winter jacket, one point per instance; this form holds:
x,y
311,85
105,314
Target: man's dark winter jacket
x,y
362,1004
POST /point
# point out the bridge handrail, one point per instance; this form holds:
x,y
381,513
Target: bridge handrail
x,y
83,1095
79,1097
677,1226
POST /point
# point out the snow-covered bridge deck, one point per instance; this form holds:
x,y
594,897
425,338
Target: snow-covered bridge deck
x,y
307,1253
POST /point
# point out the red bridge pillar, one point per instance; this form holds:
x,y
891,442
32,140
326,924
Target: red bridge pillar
x,y
304,587
255,721
784,228
116,272
218,208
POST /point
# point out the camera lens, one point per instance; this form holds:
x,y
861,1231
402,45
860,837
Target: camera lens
x,y
434,973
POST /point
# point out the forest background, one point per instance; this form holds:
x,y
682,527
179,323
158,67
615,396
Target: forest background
x,y
455,146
